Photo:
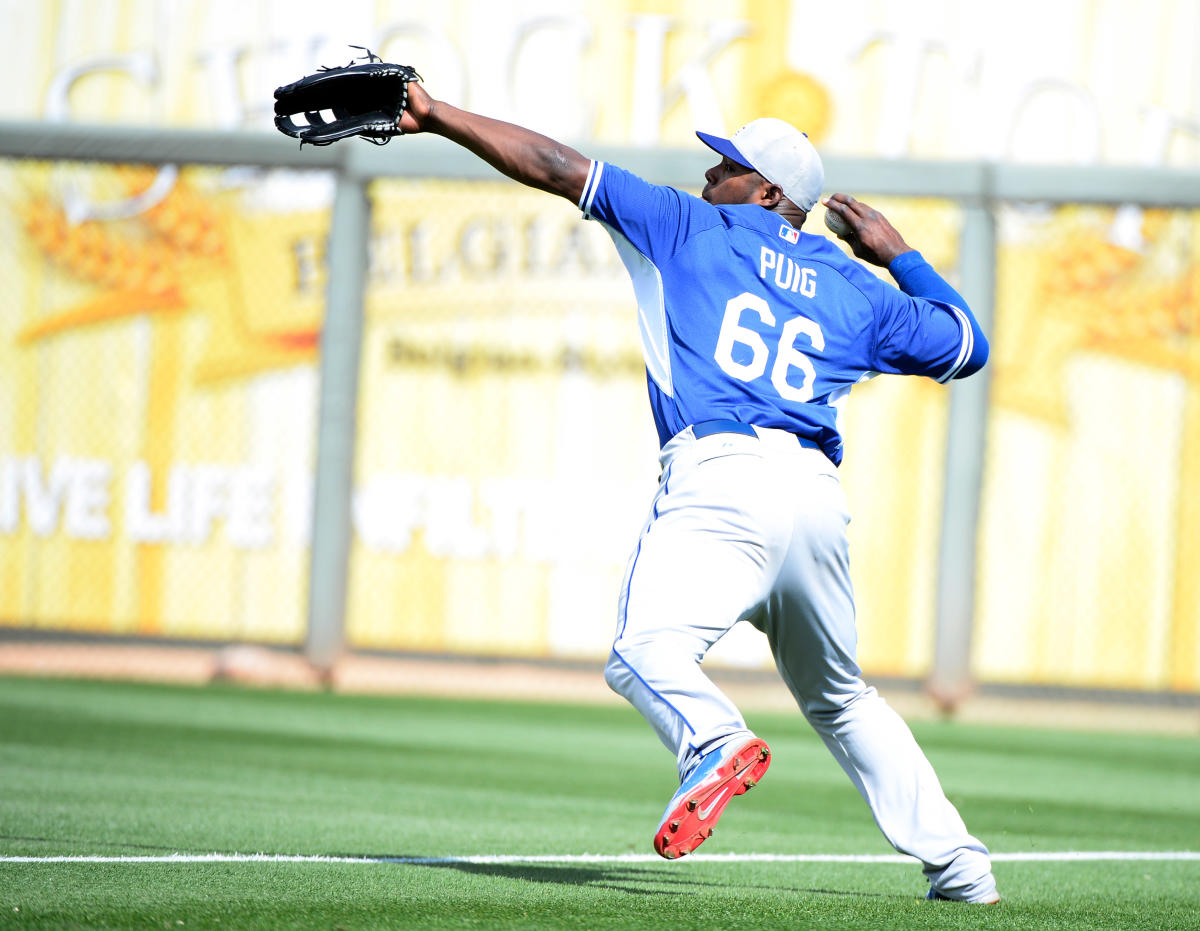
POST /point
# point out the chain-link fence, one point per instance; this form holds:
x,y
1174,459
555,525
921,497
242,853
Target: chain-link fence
x,y
171,436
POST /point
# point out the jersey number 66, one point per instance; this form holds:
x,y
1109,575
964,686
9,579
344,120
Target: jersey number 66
x,y
787,356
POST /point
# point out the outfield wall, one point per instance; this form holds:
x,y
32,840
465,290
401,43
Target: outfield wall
x,y
162,398
471,441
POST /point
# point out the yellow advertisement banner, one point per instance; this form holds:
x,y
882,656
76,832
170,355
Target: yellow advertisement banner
x,y
157,378
156,404
1089,555
158,395
506,452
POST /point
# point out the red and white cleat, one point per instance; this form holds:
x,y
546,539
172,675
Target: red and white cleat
x,y
694,809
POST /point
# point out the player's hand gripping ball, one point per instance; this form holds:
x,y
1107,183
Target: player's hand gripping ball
x,y
836,224
364,100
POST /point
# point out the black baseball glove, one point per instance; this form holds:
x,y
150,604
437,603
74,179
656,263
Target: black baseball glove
x,y
365,99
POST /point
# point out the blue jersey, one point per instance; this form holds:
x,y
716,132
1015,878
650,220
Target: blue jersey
x,y
744,317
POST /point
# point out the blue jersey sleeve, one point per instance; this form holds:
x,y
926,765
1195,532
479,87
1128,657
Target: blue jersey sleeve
x,y
917,277
656,220
926,327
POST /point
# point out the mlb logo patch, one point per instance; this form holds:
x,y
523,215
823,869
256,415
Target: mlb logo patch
x,y
790,234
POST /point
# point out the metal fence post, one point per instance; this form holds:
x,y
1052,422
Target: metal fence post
x,y
950,678
341,339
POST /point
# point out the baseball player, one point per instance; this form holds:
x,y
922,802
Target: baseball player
x,y
753,334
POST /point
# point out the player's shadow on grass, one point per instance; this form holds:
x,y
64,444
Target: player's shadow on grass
x,y
620,879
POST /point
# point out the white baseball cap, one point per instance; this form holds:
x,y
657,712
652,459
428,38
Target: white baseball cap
x,y
780,153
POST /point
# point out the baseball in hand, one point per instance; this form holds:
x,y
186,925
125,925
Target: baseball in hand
x,y
837,225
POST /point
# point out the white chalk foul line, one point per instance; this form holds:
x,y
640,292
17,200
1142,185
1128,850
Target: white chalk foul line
x,y
503,859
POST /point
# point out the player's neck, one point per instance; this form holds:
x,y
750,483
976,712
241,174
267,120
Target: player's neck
x,y
790,212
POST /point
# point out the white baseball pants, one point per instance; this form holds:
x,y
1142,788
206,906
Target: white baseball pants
x,y
754,528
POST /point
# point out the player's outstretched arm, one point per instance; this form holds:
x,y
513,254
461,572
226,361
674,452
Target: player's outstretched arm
x,y
524,155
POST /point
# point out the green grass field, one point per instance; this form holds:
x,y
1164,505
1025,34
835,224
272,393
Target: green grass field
x,y
127,771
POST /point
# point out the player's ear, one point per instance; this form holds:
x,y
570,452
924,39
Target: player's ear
x,y
770,195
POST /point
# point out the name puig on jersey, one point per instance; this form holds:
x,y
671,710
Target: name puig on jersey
x,y
787,274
